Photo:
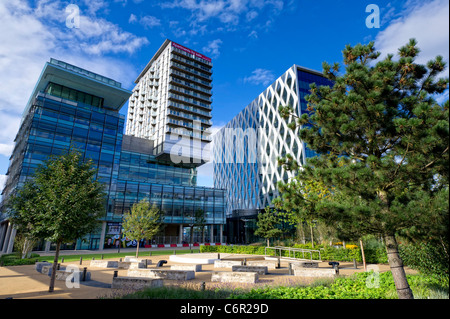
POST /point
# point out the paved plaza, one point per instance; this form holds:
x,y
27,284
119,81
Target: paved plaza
x,y
24,282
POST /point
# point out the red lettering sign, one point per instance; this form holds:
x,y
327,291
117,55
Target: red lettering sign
x,y
198,55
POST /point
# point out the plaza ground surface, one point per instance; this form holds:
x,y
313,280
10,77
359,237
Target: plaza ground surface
x,y
24,282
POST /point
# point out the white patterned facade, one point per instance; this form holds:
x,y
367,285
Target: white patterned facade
x,y
247,148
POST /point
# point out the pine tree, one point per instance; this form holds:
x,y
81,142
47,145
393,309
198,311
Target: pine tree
x,y
382,142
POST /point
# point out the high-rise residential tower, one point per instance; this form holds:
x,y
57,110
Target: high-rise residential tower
x,y
171,104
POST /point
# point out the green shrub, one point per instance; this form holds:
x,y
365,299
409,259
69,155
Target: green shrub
x,y
353,287
374,256
428,258
16,260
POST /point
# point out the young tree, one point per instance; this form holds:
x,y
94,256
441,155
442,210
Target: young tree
x,y
61,202
300,199
381,120
267,225
200,221
142,222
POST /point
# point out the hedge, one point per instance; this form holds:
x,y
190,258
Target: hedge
x,y
373,256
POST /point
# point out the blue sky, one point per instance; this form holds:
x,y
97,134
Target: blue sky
x,y
251,42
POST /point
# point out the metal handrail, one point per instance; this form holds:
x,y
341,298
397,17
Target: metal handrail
x,y
293,250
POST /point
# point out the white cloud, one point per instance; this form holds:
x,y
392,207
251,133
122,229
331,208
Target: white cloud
x,y
427,22
260,76
6,149
213,47
226,11
150,21
2,181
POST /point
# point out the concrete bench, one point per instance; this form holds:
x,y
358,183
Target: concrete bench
x,y
38,266
240,277
191,267
132,259
47,270
75,275
131,265
162,274
305,264
135,283
260,270
227,263
104,263
315,272
265,263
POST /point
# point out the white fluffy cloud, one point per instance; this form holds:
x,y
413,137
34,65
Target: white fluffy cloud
x,y
260,76
427,22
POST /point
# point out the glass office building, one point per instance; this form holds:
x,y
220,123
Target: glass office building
x,y
246,149
73,106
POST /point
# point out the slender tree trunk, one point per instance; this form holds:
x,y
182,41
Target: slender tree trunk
x,y
51,288
312,235
137,249
268,242
363,256
396,265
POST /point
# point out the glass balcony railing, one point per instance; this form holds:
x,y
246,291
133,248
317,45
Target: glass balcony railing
x,y
190,62
188,108
189,92
190,78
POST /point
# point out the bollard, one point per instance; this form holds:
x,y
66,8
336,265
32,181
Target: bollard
x,y
279,261
354,264
120,259
202,286
115,273
290,269
93,258
174,252
62,260
81,260
58,266
150,254
218,256
245,261
84,274
102,256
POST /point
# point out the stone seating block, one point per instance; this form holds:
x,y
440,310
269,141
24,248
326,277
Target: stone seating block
x,y
315,272
260,270
38,266
135,283
77,275
191,267
47,270
227,263
104,263
162,274
265,263
131,265
239,277
137,260
305,264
